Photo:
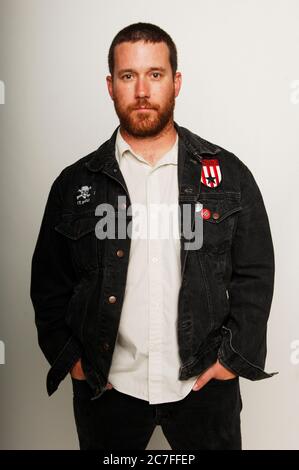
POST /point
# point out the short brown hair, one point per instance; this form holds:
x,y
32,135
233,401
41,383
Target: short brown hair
x,y
143,32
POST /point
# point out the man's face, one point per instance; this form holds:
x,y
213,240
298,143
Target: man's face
x,y
143,88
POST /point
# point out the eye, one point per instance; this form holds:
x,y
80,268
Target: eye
x,y
127,76
156,74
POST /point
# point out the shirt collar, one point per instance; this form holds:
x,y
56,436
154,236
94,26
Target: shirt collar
x,y
121,146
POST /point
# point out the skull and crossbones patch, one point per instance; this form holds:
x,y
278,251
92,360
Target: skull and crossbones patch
x,y
84,195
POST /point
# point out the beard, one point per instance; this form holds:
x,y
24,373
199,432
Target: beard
x,y
145,123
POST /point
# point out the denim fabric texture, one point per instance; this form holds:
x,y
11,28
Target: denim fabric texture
x,y
208,419
227,284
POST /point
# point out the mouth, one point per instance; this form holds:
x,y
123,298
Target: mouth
x,y
143,108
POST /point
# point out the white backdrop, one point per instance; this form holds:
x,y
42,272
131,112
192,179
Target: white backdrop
x,y
239,61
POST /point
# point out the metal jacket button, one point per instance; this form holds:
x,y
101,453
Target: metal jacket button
x,y
216,215
120,253
188,190
112,299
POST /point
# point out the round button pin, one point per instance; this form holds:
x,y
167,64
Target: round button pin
x,y
205,213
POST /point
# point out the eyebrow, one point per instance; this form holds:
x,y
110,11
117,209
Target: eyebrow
x,y
160,69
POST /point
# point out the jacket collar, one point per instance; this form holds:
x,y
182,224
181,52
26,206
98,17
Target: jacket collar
x,y
196,147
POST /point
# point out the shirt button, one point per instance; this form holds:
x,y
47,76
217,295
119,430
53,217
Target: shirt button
x,y
112,299
106,346
120,253
155,259
216,215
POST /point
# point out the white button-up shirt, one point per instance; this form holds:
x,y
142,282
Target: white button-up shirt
x,y
145,362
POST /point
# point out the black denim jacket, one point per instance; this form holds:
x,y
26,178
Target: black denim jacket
x,y
78,281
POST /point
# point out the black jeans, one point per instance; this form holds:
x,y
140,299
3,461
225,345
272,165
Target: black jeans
x,y
208,419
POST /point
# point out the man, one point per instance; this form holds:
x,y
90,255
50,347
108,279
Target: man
x,y
153,330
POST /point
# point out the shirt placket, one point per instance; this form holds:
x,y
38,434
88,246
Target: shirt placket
x,y
155,282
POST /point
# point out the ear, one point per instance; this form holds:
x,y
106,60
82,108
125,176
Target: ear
x,y
177,83
109,82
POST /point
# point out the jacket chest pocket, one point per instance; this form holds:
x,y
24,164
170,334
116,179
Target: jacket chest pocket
x,y
219,218
79,231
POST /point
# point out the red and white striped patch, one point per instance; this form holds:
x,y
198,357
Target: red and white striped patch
x,y
210,173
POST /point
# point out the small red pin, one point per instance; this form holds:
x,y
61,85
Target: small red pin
x,y
205,213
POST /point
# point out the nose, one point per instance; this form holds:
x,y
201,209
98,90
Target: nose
x,y
142,88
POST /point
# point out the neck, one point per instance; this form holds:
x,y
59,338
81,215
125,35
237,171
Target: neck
x,y
154,147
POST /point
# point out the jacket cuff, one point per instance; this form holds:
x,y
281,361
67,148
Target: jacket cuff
x,y
62,365
233,360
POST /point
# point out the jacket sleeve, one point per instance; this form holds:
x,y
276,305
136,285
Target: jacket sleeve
x,y
52,281
243,348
